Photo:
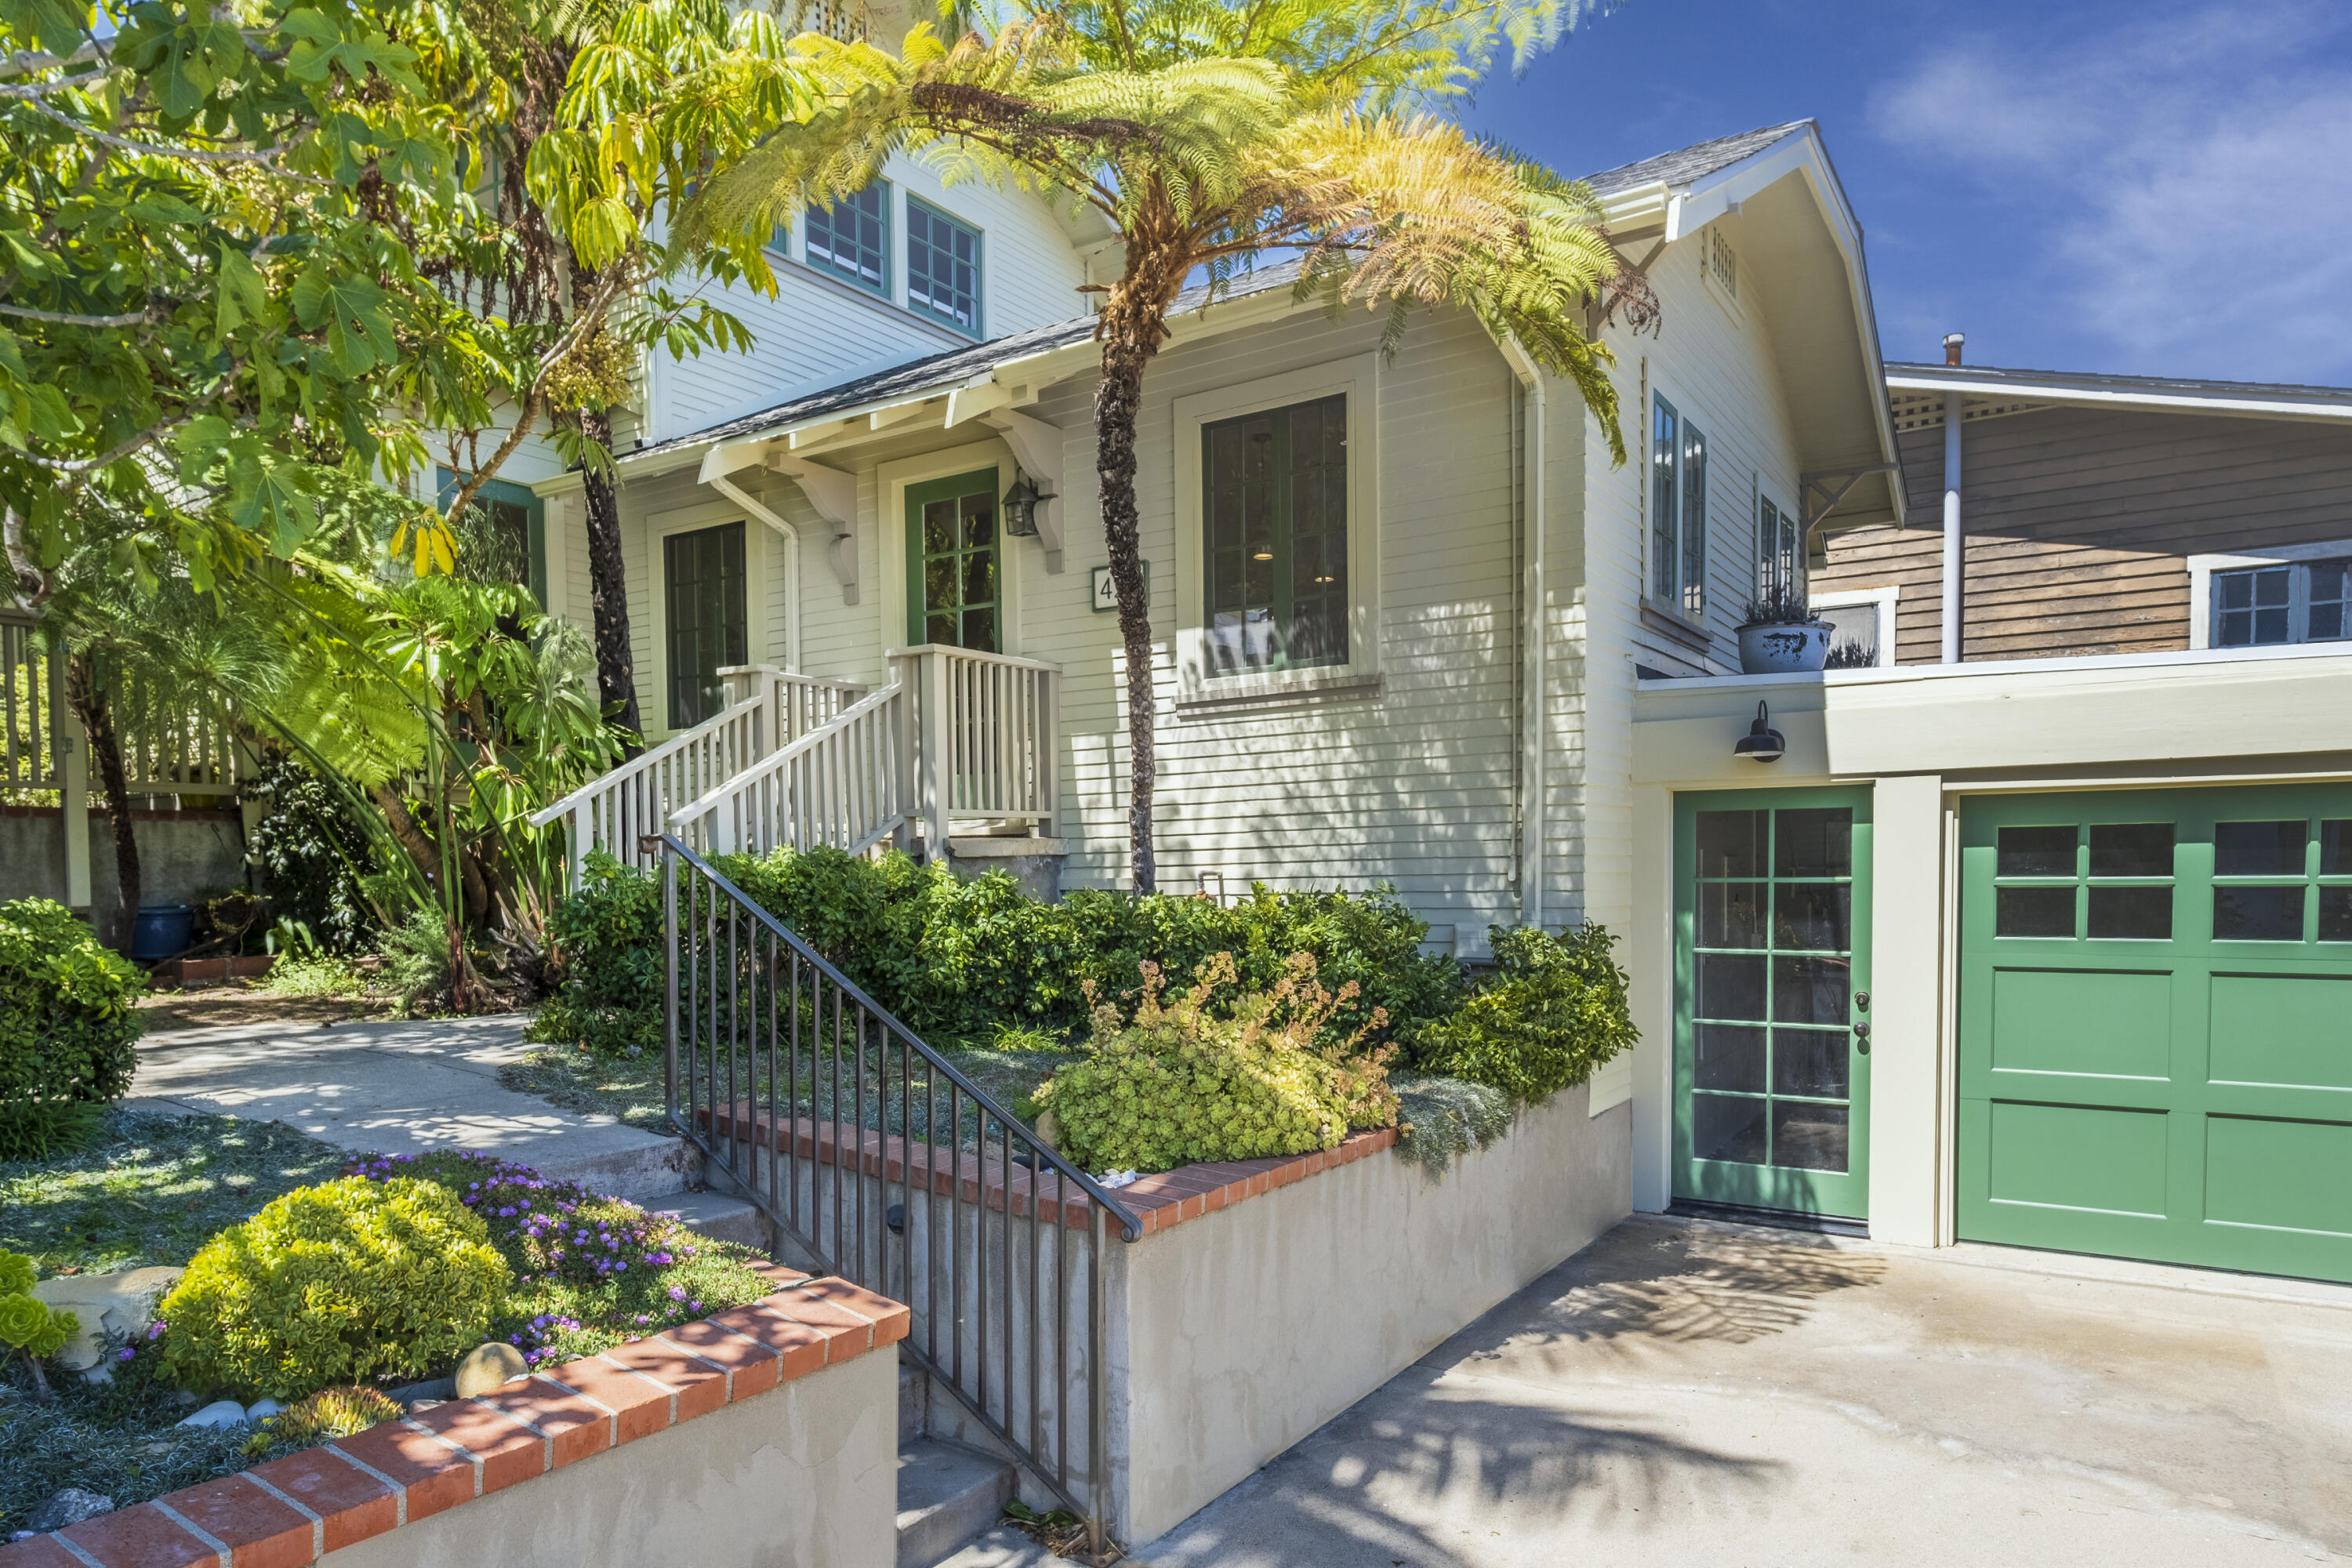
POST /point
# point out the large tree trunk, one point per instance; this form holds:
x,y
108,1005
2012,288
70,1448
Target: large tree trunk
x,y
608,586
1132,326
87,701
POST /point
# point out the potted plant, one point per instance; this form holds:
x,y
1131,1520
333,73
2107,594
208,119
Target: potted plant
x,y
1782,637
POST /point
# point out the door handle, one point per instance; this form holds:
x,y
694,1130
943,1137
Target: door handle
x,y
1862,1038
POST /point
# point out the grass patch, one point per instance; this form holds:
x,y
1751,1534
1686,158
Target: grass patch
x,y
1438,1117
152,1190
313,975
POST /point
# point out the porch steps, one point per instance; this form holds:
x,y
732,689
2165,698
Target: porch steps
x,y
948,1494
1003,1547
721,1217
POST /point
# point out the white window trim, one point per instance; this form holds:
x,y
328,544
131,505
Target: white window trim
x,y
2203,567
1358,378
1885,598
1701,623
892,481
659,526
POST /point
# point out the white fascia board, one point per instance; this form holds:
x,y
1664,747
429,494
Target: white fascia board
x,y
2013,388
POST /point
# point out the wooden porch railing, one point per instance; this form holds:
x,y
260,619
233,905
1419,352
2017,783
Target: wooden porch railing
x,y
767,708
984,734
843,783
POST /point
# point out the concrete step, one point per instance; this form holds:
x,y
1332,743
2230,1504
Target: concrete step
x,y
947,1495
718,1215
1003,1547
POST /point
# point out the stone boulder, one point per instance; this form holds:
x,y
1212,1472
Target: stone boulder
x,y
108,1306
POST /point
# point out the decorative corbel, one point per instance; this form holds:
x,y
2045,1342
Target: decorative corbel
x,y
833,494
1037,447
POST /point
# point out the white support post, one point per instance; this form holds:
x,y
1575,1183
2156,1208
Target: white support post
x,y
73,792
1954,406
933,767
905,670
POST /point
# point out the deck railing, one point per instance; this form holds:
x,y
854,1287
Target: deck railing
x,y
767,708
984,744
810,1098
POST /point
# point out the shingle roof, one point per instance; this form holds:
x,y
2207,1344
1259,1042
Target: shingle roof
x,y
1685,164
2095,381
941,370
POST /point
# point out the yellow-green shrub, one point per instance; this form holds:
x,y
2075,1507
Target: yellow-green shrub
x,y
342,1283
1175,1084
1556,1009
323,1417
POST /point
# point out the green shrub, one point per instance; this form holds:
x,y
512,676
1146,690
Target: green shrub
x,y
67,1034
345,1282
311,849
1179,1083
321,1417
313,974
1555,1010
607,937
30,1326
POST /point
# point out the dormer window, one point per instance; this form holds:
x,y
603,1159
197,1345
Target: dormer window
x,y
851,240
942,268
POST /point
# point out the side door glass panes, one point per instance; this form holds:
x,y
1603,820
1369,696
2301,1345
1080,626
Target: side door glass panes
x,y
2267,910
1773,1009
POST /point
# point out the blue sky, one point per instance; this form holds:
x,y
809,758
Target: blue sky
x,y
2161,187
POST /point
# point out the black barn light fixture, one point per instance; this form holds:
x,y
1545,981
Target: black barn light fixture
x,y
1762,743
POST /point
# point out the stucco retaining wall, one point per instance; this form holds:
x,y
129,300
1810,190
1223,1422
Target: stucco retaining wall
x,y
1236,1334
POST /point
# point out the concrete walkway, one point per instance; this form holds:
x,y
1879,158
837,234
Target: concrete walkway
x,y
401,1086
1720,1396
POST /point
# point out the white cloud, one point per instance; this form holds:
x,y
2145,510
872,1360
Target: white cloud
x,y
2189,174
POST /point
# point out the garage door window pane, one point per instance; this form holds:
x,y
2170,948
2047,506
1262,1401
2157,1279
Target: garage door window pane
x,y
2033,911
1722,1128
1731,844
1730,1055
2335,914
2258,914
2335,848
2037,852
1809,1136
2130,850
2258,848
2131,914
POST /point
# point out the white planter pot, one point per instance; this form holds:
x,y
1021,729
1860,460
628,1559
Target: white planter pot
x,y
1784,649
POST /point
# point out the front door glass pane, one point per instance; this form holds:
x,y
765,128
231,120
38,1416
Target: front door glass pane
x,y
1771,1040
959,570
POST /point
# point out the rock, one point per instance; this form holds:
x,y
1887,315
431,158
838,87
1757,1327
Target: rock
x,y
261,1410
435,1389
108,1306
219,1413
70,1506
487,1368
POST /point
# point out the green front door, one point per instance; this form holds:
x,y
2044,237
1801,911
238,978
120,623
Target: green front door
x,y
1773,999
954,569
2156,1025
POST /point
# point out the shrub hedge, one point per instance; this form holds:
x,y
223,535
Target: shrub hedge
x,y
67,1034
1555,1010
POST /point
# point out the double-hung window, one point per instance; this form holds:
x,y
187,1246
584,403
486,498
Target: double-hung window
x,y
851,239
942,268
1275,521
2290,602
1776,551
1677,511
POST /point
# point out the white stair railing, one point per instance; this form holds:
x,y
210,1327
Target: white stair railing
x,y
767,708
984,747
843,783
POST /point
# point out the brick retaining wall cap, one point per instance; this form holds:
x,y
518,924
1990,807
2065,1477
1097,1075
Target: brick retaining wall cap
x,y
291,1511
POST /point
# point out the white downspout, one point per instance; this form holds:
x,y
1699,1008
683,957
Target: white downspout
x,y
735,493
1532,644
1955,412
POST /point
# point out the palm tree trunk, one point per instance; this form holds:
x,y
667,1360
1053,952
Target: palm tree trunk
x,y
1117,398
608,587
87,701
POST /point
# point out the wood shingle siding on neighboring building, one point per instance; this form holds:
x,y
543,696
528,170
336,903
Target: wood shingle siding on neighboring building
x,y
2080,522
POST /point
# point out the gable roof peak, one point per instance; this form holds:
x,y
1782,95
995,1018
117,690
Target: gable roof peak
x,y
1685,164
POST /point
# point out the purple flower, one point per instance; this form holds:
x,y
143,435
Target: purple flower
x,y
694,1306
155,1330
676,1293
126,1353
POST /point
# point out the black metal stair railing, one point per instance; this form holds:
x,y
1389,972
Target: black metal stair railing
x,y
886,1165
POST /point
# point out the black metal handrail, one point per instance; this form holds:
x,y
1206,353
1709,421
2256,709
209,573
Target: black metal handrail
x,y
751,1005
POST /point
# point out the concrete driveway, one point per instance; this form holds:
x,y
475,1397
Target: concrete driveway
x,y
1685,1393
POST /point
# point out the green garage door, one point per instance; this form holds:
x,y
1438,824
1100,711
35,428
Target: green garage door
x,y
2156,1025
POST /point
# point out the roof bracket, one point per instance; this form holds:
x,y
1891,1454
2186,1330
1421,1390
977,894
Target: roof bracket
x,y
833,494
1824,487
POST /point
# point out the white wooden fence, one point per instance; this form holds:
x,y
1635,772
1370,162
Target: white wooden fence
x,y
766,709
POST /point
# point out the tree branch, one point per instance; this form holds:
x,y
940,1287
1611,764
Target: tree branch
x,y
156,150
67,319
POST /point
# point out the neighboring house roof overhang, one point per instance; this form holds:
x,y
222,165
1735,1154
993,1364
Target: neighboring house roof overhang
x,y
1797,234
2240,399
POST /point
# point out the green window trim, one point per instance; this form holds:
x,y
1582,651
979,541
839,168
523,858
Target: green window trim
x,y
513,504
1274,512
850,243
955,563
943,268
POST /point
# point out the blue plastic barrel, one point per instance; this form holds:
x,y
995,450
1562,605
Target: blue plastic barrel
x,y
162,930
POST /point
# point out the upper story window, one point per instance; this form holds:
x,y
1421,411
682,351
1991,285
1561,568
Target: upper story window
x,y
1776,551
852,240
1274,520
1677,511
2292,602
942,267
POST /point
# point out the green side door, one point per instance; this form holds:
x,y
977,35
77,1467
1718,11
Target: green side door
x,y
2156,1025
1772,1000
